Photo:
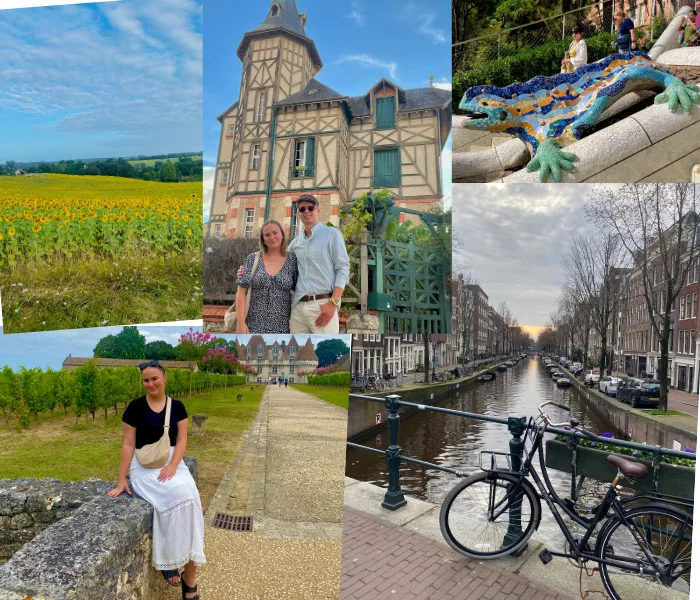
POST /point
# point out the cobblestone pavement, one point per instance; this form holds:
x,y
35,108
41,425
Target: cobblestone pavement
x,y
381,562
289,475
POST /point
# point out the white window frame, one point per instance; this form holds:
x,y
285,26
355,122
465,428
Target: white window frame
x,y
255,154
229,131
217,230
249,222
300,153
224,177
261,106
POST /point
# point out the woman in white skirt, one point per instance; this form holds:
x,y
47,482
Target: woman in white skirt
x,y
178,522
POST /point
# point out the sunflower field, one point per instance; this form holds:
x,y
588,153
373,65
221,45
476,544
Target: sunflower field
x,y
59,216
81,251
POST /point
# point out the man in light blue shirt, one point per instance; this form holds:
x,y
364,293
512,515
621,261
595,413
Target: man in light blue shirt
x,y
324,268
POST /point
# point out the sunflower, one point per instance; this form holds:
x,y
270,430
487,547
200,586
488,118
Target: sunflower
x,y
36,228
11,231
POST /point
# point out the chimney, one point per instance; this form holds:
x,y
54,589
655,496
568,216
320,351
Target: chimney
x,y
431,81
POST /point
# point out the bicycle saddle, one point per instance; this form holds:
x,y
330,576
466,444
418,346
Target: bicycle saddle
x,y
627,467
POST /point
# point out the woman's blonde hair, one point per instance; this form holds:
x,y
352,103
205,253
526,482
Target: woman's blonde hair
x,y
283,246
620,13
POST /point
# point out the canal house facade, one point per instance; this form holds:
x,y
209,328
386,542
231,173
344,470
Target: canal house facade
x,y
289,134
632,340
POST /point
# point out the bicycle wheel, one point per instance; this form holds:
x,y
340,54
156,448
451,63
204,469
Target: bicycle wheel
x,y
475,517
665,533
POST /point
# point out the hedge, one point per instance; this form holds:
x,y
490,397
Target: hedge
x,y
341,379
543,60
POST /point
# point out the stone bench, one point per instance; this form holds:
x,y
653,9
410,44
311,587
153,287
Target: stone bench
x,y
96,547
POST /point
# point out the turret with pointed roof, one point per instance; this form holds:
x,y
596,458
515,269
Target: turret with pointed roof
x,y
283,16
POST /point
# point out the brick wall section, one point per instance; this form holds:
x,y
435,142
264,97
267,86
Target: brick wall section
x,y
384,562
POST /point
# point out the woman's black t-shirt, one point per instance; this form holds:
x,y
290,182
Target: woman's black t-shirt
x,y
149,424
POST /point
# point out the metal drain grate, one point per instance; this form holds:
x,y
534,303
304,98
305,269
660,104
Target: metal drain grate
x,y
232,523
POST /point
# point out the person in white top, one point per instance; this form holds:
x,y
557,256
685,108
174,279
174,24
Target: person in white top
x,y
577,54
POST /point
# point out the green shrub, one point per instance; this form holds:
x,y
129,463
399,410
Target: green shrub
x,y
341,379
523,66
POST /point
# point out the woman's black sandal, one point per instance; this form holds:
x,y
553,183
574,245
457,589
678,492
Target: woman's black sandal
x,y
187,589
171,573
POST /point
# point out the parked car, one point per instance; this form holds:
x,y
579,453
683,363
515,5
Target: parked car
x,y
592,377
608,385
639,392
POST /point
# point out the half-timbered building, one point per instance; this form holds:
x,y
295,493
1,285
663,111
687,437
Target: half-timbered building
x,y
289,134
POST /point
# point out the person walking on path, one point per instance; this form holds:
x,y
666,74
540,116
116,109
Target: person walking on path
x,y
178,522
625,33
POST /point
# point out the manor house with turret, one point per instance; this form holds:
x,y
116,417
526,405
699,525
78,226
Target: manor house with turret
x,y
290,134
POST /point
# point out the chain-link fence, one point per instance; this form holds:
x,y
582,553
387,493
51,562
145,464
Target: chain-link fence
x,y
649,16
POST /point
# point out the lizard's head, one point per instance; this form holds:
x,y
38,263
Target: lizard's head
x,y
484,110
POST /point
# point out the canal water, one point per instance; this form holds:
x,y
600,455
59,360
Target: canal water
x,y
456,442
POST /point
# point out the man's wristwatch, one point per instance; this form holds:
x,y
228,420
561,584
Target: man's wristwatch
x,y
335,301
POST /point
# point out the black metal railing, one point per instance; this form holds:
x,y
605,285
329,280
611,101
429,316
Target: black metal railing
x,y
517,427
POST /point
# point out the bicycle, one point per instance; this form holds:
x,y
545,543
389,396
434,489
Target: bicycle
x,y
643,547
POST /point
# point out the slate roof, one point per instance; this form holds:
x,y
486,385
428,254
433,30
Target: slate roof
x,y
323,92
415,99
287,19
227,111
305,352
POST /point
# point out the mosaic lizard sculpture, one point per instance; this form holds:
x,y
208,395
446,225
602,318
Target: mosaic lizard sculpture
x,y
550,112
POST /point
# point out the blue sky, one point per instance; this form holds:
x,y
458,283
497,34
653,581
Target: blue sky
x,y
359,43
98,80
51,348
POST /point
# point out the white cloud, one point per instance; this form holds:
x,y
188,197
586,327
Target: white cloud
x,y
138,76
426,28
33,3
208,175
443,84
367,61
357,14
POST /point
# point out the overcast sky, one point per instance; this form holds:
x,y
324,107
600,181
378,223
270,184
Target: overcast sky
x,y
514,237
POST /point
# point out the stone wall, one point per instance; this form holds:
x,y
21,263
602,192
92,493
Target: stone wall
x,y
626,420
362,414
28,506
92,547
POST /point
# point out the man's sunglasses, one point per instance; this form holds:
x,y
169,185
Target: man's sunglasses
x,y
303,209
150,363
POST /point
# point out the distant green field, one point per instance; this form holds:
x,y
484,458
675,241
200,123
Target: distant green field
x,y
151,162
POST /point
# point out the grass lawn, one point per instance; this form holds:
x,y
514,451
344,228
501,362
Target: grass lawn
x,y
662,413
334,395
56,447
90,292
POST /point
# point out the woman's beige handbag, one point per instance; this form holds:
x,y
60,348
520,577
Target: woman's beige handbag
x,y
231,317
155,455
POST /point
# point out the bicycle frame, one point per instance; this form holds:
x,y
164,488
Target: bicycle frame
x,y
611,500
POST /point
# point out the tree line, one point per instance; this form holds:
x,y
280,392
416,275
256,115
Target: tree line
x,y
186,168
88,389
633,265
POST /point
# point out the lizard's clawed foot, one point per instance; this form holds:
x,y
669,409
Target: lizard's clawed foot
x,y
678,94
550,158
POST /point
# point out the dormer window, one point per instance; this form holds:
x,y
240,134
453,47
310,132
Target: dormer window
x,y
274,11
385,113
